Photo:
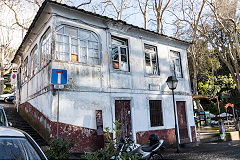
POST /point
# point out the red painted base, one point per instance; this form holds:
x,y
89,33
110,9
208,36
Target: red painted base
x,y
168,135
193,132
85,138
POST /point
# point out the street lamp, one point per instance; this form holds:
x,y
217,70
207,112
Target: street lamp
x,y
172,84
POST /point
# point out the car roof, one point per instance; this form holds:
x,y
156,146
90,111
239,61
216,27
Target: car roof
x,y
10,132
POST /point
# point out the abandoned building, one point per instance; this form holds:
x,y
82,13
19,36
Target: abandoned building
x,y
116,71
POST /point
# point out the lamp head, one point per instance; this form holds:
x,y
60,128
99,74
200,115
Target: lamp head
x,y
172,82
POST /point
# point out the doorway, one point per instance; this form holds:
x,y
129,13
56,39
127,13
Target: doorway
x,y
123,115
182,122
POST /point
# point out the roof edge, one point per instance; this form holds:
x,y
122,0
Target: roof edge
x,y
90,13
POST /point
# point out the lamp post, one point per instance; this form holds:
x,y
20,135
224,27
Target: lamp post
x,y
172,84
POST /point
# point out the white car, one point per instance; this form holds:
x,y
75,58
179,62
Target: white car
x,y
16,144
4,97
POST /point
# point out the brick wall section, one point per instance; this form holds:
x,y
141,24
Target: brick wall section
x,y
36,119
168,135
85,138
193,132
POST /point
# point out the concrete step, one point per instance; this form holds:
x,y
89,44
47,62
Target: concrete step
x,y
19,123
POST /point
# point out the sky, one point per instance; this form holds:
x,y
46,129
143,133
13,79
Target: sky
x,y
9,31
28,11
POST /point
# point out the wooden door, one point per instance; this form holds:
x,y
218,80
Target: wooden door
x,y
123,115
182,122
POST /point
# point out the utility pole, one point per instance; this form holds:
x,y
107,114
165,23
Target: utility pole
x,y
1,68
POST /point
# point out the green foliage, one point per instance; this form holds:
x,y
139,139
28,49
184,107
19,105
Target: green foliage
x,y
213,86
222,86
112,148
8,88
59,149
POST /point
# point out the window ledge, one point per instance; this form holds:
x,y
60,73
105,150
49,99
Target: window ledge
x,y
120,72
77,63
158,128
180,78
152,75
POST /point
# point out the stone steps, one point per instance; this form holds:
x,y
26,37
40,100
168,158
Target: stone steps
x,y
19,123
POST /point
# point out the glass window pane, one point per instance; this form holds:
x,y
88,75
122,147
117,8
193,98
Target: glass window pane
x,y
123,58
96,52
83,34
74,49
90,60
151,59
83,59
92,45
94,37
71,31
149,48
96,61
61,30
65,57
154,57
148,62
17,148
59,47
83,51
177,62
147,59
90,52
60,38
66,39
66,48
2,118
115,56
118,41
83,43
123,51
74,41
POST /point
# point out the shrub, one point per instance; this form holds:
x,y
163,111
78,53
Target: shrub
x,y
113,148
59,149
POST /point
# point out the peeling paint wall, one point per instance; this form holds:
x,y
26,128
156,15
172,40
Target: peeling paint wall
x,y
97,87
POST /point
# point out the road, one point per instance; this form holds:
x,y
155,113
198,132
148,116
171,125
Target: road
x,y
207,151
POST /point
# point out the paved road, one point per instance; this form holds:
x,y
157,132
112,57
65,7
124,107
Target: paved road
x,y
207,151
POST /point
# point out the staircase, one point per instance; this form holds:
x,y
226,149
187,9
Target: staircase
x,y
19,123
208,134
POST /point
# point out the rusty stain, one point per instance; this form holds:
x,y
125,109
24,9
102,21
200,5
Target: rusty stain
x,y
85,138
168,135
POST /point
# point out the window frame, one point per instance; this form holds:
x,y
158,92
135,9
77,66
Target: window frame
x,y
173,67
119,47
32,70
157,60
25,69
46,55
79,39
161,123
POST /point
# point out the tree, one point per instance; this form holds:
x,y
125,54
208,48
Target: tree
x,y
222,34
117,8
159,9
17,7
187,21
144,11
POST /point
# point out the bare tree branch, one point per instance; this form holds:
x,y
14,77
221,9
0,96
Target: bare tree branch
x,y
86,3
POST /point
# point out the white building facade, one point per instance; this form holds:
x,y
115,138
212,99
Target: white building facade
x,y
116,71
